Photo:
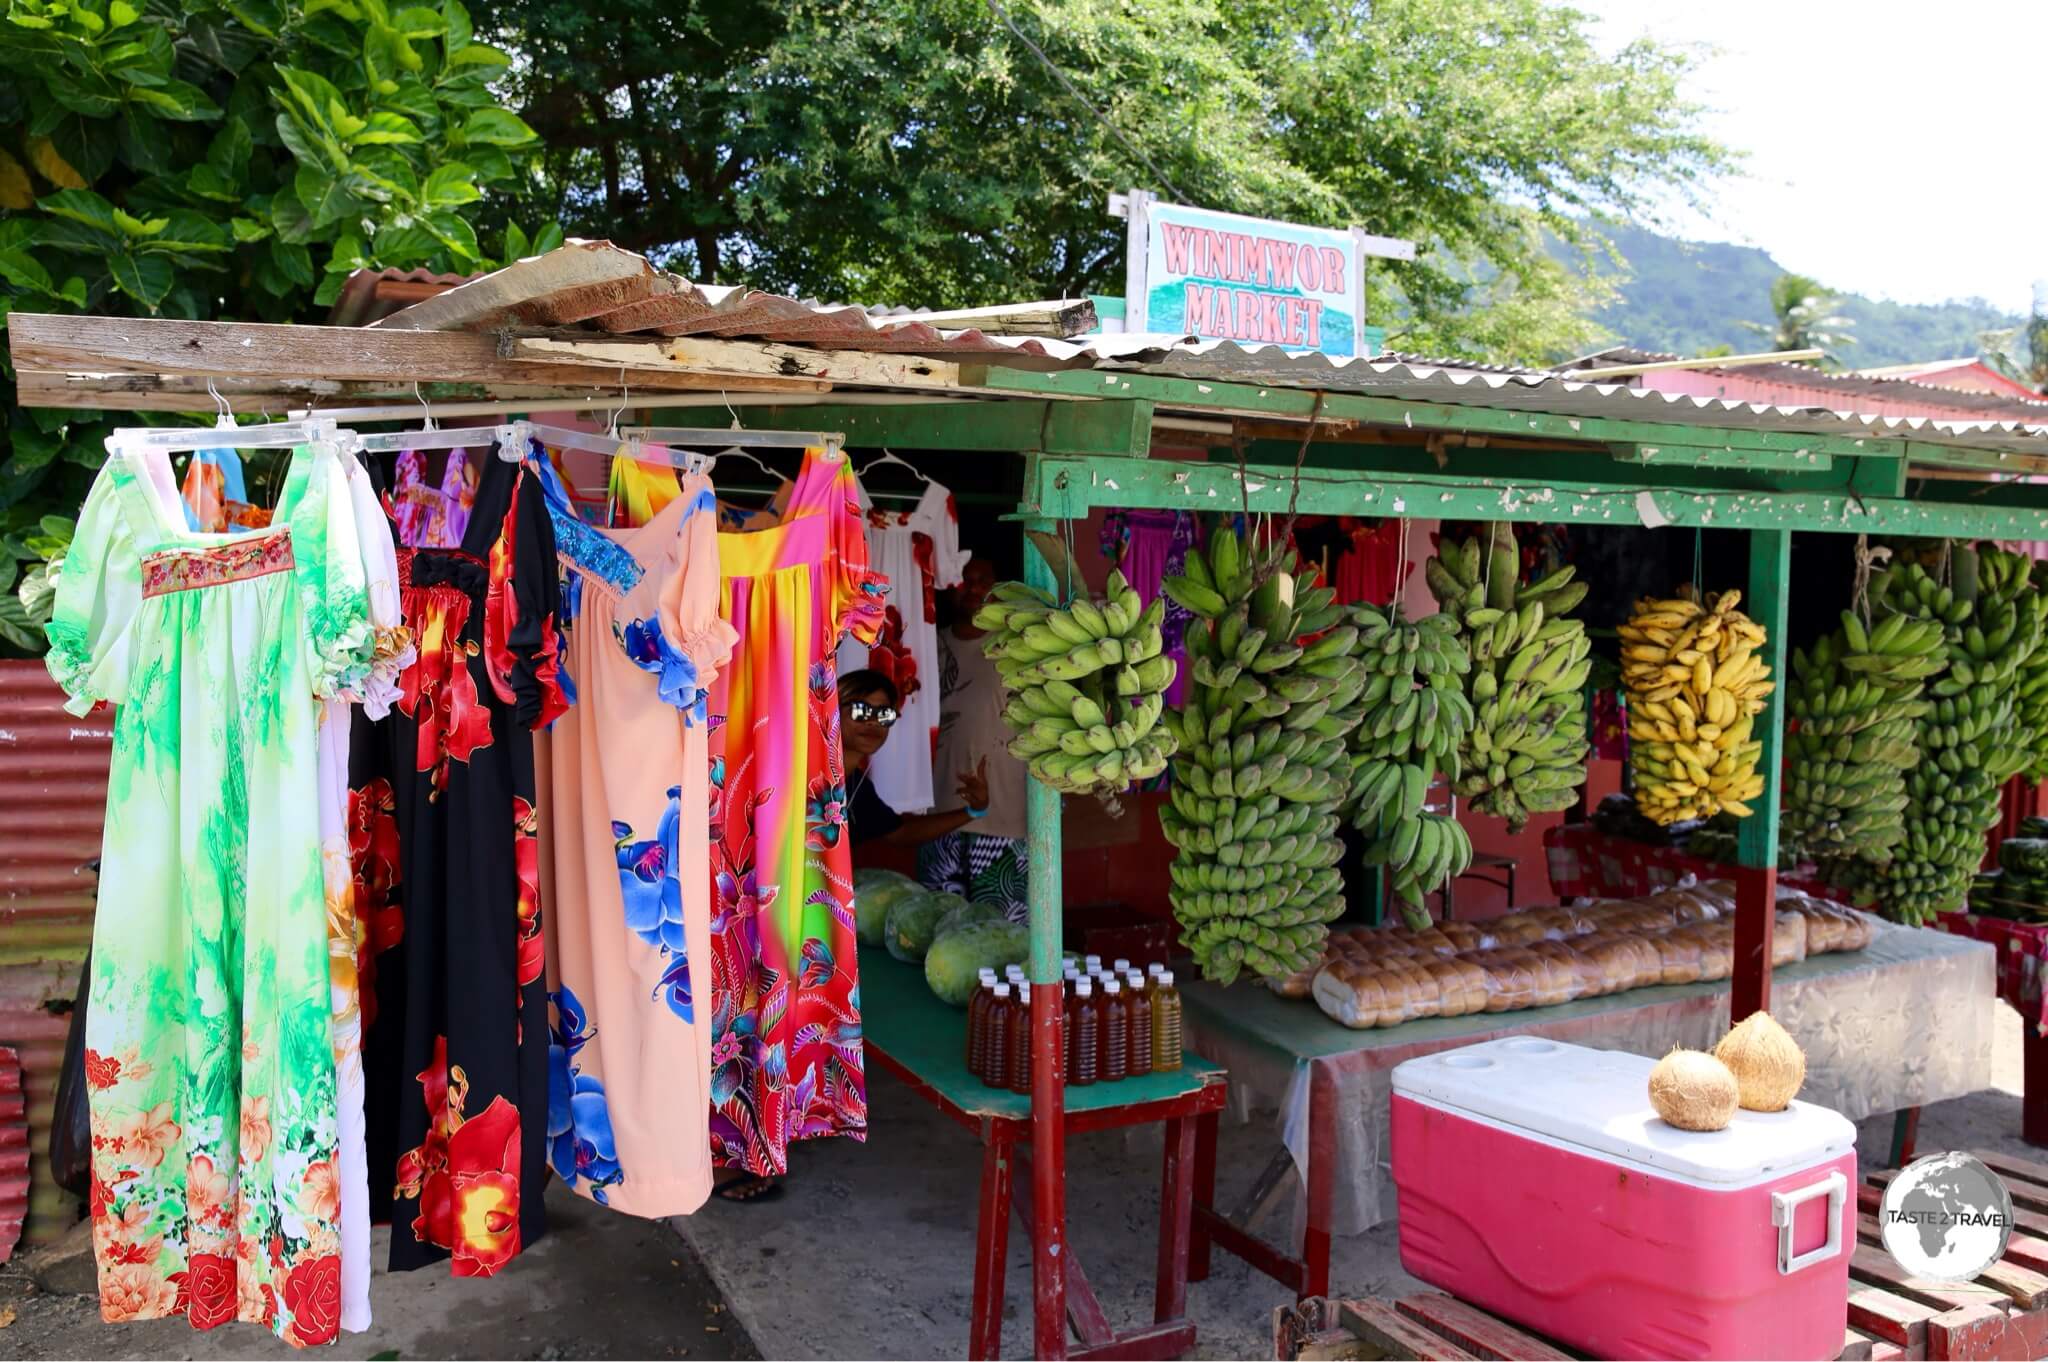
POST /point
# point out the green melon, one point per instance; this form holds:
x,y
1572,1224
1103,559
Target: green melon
x,y
961,913
874,891
956,959
913,922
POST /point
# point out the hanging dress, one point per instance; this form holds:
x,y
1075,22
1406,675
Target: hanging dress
x,y
785,997
625,857
1148,547
209,1060
918,551
442,831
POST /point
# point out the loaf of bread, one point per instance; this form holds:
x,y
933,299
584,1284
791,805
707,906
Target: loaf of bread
x,y
1461,986
1348,992
1788,938
1581,976
1467,937
1715,941
1678,960
1519,929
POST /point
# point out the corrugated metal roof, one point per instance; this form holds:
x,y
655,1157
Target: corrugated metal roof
x,y
607,292
1875,383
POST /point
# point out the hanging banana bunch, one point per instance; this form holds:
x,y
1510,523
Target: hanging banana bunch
x,y
1262,764
1416,717
1526,750
1970,721
2008,575
1855,702
1086,684
1695,685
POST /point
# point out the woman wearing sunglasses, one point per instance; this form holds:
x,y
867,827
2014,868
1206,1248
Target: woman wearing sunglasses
x,y
867,711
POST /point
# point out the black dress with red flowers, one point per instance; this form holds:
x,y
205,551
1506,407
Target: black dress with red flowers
x,y
443,838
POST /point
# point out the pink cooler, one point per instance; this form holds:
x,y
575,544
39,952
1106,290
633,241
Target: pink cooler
x,y
1537,1183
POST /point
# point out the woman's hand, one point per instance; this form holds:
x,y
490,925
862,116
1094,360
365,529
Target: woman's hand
x,y
974,786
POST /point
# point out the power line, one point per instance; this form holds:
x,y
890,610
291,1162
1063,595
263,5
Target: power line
x,y
1083,100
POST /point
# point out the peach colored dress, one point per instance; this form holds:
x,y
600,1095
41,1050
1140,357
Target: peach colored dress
x,y
625,857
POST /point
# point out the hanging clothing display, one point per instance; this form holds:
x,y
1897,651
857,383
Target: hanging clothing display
x,y
625,857
216,502
434,517
442,828
1148,547
785,1041
638,492
209,1056
918,551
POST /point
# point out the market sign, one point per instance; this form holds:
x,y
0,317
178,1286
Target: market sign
x,y
1222,276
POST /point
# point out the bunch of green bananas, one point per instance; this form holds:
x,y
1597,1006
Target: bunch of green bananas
x,y
1262,763
1416,718
1086,684
1526,751
2033,688
1856,700
1990,628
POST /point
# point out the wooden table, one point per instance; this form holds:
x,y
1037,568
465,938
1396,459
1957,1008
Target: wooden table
x,y
2002,1314
923,1042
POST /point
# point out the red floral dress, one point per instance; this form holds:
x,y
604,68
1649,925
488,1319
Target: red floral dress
x,y
443,838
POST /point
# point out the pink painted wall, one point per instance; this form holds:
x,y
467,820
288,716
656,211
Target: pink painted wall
x,y
1737,387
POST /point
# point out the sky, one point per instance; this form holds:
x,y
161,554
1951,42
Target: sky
x,y
1894,150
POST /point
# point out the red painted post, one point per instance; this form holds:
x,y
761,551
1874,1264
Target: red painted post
x,y
2033,1084
1205,1194
1176,1210
991,1249
1048,1175
1319,1186
1756,914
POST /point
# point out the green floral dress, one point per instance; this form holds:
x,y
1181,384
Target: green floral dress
x,y
215,1193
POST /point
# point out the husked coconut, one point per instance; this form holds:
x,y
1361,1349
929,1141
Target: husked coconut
x,y
1693,1091
1767,1063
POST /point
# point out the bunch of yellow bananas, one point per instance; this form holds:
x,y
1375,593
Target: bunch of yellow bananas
x,y
1695,686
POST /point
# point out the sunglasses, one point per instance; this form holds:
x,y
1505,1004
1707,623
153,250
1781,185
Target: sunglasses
x,y
861,712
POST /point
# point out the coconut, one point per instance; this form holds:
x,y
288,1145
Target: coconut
x,y
1766,1062
1693,1091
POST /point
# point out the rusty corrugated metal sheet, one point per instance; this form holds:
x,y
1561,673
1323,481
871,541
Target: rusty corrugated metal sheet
x,y
14,1156
52,807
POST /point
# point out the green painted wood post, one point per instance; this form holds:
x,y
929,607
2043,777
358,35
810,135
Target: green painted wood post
x,y
1048,1094
1756,902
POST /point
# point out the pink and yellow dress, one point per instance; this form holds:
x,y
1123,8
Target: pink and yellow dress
x,y
785,995
625,858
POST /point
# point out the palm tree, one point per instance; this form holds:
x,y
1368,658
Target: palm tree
x,y
1806,319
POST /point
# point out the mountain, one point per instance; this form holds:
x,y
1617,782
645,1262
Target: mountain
x,y
1684,297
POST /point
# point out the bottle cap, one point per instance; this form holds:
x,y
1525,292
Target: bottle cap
x,y
987,974
1123,967
1072,974
1024,992
1136,979
1166,978
1067,962
1094,961
1109,985
1014,973
1155,969
1002,990
1084,987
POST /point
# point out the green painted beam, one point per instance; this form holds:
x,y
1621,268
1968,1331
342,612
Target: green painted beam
x,y
1692,456
1115,427
1975,460
1548,465
1300,403
1770,588
1070,485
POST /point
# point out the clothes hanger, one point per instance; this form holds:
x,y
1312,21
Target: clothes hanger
x,y
891,456
429,435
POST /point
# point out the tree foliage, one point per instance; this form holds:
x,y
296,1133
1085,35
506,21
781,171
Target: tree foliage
x,y
917,151
1808,317
225,159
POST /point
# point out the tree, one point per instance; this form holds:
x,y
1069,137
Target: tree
x,y
1806,318
919,151
224,158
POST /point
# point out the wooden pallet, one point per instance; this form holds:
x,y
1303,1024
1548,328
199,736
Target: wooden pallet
x,y
1892,1315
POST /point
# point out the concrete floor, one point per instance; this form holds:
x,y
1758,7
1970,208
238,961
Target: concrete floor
x,y
885,1231
868,1254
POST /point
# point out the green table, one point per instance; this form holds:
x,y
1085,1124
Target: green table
x,y
923,1042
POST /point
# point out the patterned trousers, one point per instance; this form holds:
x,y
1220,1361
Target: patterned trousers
x,y
979,869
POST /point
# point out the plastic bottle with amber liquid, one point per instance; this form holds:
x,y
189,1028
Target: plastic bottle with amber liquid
x,y
1081,1033
995,1038
977,1021
1116,1033
1166,1043
1020,1042
1137,1025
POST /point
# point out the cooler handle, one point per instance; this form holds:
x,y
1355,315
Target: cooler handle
x,y
1783,1204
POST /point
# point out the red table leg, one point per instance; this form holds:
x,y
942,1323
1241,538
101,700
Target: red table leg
x,y
2034,1084
1176,1209
1321,1183
991,1247
1205,1194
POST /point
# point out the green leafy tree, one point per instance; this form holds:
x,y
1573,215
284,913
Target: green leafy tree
x,y
231,159
1808,318
919,151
